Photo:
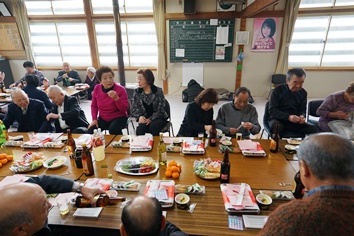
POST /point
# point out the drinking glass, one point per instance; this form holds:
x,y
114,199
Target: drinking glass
x,y
63,206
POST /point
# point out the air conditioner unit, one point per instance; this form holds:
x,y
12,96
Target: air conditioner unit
x,y
221,7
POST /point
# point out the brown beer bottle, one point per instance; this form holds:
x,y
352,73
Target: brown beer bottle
x,y
298,188
225,168
213,134
274,141
101,201
71,145
55,81
86,159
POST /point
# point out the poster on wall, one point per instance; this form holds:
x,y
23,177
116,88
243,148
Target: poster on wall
x,y
264,34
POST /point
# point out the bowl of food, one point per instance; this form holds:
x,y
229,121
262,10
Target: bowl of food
x,y
226,142
177,142
264,201
182,200
125,139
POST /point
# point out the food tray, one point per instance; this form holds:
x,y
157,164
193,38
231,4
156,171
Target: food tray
x,y
120,144
29,162
137,166
12,143
279,195
207,169
190,189
58,144
126,186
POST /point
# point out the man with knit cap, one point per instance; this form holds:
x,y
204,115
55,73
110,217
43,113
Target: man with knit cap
x,y
327,172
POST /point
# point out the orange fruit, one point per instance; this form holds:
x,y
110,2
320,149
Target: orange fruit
x,y
179,166
172,163
168,173
2,155
168,168
3,161
175,169
0,165
9,157
175,175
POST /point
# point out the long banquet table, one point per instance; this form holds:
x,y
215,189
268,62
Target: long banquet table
x,y
209,216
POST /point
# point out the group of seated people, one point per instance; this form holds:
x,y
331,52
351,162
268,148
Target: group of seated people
x,y
110,104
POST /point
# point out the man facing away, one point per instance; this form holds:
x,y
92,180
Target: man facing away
x,y
29,113
327,172
25,207
68,76
238,116
30,70
67,113
287,105
143,216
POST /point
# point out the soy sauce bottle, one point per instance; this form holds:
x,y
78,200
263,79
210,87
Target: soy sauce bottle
x,y
71,145
213,134
274,142
225,168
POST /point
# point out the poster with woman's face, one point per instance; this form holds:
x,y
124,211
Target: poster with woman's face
x,y
264,34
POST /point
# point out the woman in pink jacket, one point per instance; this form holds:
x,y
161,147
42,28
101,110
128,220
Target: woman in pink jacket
x,y
109,103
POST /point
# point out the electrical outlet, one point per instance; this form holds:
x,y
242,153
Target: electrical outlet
x,y
170,84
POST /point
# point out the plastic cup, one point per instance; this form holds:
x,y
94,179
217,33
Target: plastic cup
x,y
238,136
63,206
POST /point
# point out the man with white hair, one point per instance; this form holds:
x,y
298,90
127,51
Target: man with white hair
x,y
67,113
327,172
68,76
91,80
29,113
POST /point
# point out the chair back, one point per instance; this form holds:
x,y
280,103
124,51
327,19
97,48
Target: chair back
x,y
168,126
168,109
278,79
312,107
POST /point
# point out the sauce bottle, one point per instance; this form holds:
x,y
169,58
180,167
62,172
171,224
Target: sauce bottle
x,y
298,188
225,168
71,145
162,153
101,201
86,159
213,134
274,142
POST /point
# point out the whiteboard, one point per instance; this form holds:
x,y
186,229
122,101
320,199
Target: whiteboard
x,y
192,71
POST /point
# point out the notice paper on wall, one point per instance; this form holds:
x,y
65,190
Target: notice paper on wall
x,y
222,35
192,71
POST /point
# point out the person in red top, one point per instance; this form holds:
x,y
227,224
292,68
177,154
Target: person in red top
x,y
109,103
327,172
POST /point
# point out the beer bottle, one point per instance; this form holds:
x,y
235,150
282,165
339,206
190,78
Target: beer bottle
x,y
55,81
213,134
162,153
101,201
298,188
225,168
86,159
274,141
71,145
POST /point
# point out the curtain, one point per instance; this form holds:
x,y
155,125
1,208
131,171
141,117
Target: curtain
x,y
159,18
20,13
291,10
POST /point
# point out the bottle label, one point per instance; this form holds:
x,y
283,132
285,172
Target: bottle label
x,y
273,144
85,167
224,176
213,140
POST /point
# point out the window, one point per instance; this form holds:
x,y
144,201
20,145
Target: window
x,y
54,43
59,32
324,40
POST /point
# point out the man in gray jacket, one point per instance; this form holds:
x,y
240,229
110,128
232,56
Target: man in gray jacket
x,y
238,116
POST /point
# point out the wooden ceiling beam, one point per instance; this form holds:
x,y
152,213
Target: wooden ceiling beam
x,y
256,7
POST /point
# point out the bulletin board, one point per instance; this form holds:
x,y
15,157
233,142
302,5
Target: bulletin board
x,y
10,39
208,40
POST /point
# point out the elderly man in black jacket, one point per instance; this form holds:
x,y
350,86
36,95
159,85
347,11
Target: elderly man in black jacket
x,y
29,113
67,113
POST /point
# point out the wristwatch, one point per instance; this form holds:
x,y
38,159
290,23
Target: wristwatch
x,y
80,187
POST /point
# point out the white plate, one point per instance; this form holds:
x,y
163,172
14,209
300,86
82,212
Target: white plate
x,y
294,141
60,161
122,166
